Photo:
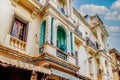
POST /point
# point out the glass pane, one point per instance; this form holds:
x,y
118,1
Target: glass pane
x,y
61,39
19,30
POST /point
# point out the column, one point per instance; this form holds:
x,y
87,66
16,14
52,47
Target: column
x,y
103,66
94,69
68,8
110,71
99,37
48,29
55,33
73,44
70,5
87,70
68,43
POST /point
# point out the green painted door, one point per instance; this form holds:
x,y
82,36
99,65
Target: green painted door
x,y
61,39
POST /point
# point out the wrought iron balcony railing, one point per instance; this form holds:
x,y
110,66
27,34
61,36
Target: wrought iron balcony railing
x,y
61,54
92,44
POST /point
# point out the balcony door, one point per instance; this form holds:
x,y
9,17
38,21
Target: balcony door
x,y
61,39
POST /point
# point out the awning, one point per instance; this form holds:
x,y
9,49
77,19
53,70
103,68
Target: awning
x,y
24,65
63,74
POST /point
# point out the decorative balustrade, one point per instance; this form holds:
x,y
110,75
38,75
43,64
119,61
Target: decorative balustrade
x,y
16,43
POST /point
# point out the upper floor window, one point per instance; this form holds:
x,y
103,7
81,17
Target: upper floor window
x,y
61,39
62,7
19,29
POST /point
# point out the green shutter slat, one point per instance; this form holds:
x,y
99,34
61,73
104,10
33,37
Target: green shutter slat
x,y
42,33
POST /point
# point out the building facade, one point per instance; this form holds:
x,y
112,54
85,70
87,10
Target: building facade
x,y
115,63
50,40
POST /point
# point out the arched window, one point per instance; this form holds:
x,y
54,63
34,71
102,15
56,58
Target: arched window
x,y
42,32
61,39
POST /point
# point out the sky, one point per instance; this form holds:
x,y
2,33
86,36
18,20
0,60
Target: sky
x,y
109,12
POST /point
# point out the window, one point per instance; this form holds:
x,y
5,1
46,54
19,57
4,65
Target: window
x,y
61,39
19,29
42,33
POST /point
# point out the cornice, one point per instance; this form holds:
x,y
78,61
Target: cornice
x,y
102,53
13,53
50,9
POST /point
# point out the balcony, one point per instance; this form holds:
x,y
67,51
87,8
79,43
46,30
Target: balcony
x,y
56,52
15,43
51,56
78,37
91,46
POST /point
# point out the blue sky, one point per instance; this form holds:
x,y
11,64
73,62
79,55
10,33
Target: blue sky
x,y
109,12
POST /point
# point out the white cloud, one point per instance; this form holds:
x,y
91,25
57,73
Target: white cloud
x,y
114,13
114,29
92,9
115,35
116,5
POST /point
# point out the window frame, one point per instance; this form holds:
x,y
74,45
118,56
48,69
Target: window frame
x,y
21,20
64,38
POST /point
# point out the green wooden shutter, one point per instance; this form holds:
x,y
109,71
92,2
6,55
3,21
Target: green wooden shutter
x,y
42,33
71,40
52,25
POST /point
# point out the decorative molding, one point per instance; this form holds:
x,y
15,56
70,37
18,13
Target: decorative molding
x,y
34,13
14,2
